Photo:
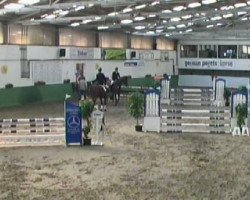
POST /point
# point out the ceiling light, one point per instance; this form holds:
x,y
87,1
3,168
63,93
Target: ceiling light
x,y
90,5
228,15
194,5
197,14
244,18
155,3
181,26
75,24
139,18
190,24
180,32
210,26
45,15
242,13
126,10
140,27
150,32
166,11
151,15
219,24
160,27
140,6
208,1
186,17
28,2
52,16
164,21
63,12
171,28
189,30
102,27
86,21
126,21
216,18
97,18
167,35
79,8
175,19
13,6
113,14
248,2
227,8
178,8
159,30
239,5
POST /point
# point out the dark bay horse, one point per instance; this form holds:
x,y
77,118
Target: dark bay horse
x,y
116,88
99,92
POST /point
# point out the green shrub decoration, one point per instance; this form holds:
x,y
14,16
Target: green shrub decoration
x,y
241,113
9,85
242,89
136,105
86,110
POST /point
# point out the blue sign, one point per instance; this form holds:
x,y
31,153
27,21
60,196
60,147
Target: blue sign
x,y
73,123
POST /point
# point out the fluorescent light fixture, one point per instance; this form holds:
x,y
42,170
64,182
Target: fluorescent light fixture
x,y
150,32
63,12
178,8
197,14
155,3
190,23
159,31
228,15
44,15
51,16
13,6
208,1
126,21
97,18
203,14
248,2
139,27
160,27
126,10
171,28
210,26
86,21
187,17
239,5
180,32
28,2
140,6
102,27
219,24
139,18
242,13
167,11
151,15
75,24
167,35
227,7
216,18
79,8
175,19
164,21
189,30
244,19
194,5
90,5
113,14
181,26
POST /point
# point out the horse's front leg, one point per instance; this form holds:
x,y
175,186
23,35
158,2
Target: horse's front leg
x,y
105,103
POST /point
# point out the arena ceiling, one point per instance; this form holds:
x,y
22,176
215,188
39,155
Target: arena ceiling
x,y
171,18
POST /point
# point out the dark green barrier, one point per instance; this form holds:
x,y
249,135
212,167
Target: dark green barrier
x,y
42,93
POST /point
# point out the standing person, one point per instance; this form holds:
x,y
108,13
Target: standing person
x,y
82,87
115,75
100,77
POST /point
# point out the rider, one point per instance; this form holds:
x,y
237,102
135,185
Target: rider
x,y
115,75
100,77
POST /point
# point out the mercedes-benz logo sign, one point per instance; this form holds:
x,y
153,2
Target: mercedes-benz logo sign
x,y
73,121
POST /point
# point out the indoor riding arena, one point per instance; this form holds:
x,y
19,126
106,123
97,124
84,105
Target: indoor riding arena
x,y
124,100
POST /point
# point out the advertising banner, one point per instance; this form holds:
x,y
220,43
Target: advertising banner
x,y
114,54
81,53
73,123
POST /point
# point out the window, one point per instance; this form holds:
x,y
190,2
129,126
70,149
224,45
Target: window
x,y
244,51
208,51
227,51
188,51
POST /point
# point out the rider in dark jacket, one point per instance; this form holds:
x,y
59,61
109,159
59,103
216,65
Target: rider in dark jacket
x,y
100,77
115,75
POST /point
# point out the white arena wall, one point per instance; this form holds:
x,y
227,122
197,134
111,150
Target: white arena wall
x,y
48,58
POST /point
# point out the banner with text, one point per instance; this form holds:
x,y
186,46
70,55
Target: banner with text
x,y
81,53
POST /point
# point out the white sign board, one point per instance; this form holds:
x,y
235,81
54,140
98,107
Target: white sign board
x,y
81,53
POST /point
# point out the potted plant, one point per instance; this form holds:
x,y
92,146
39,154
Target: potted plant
x,y
136,103
227,94
241,113
86,110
